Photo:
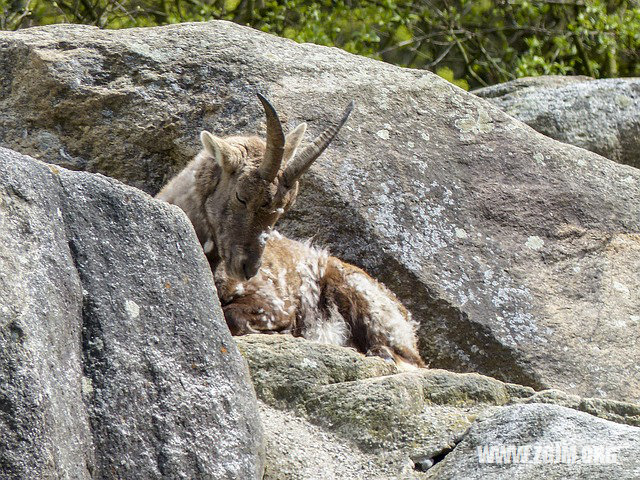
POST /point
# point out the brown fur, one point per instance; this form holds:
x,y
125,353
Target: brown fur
x,y
272,301
355,308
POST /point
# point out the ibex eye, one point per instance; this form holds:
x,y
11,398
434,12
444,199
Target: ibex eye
x,y
239,199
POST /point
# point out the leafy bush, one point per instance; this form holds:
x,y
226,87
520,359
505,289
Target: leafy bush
x,y
470,42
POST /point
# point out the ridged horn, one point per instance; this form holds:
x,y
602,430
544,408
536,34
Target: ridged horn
x,y
275,143
301,162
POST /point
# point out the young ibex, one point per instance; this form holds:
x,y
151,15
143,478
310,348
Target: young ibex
x,y
233,192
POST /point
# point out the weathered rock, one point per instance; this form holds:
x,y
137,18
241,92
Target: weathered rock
x,y
619,412
115,361
386,418
600,115
284,369
299,450
518,254
569,445
543,81
330,412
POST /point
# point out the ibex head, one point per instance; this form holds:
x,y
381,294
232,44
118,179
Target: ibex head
x,y
247,184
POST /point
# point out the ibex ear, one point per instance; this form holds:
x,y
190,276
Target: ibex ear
x,y
220,150
292,141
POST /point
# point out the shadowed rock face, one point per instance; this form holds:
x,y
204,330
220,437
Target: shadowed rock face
x,y
115,360
518,254
600,115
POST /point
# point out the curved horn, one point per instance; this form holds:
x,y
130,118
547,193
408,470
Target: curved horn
x,y
275,143
303,161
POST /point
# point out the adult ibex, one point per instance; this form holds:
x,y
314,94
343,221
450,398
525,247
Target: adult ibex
x,y
233,192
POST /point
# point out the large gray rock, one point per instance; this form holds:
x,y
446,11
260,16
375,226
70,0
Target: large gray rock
x,y
518,254
600,115
115,361
555,443
330,412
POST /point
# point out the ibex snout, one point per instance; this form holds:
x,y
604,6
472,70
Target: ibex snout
x,y
250,268
245,264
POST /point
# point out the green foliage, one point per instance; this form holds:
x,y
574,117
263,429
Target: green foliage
x,y
470,42
447,74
